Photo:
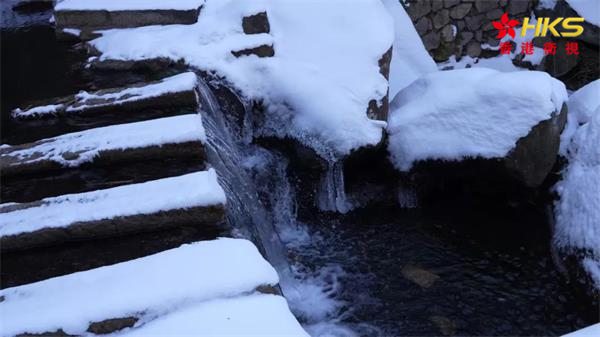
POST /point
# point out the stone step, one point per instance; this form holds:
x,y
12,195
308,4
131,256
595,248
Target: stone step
x,y
223,286
170,137
28,188
80,18
32,265
172,92
194,199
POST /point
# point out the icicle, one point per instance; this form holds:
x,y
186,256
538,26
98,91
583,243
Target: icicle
x,y
331,195
407,197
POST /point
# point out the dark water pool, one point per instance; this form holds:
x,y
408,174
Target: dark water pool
x,y
496,274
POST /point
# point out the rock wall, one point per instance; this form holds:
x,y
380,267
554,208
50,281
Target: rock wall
x,y
459,27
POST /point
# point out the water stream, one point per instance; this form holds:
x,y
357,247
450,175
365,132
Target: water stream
x,y
227,152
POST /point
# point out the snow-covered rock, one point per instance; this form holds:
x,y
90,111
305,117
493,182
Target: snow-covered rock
x,y
316,88
582,105
191,199
178,136
577,212
204,288
479,113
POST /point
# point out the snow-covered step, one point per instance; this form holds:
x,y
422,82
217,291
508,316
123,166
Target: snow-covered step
x,y
172,92
206,288
251,315
170,137
194,199
82,17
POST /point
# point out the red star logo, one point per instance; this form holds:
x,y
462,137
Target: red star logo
x,y
505,26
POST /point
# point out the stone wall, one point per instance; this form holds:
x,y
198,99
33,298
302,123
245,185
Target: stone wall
x,y
459,27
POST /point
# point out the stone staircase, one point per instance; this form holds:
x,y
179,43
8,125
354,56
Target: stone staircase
x,y
80,19
93,221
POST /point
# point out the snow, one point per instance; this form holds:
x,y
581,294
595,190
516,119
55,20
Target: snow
x,y
577,211
178,83
186,191
588,9
51,109
253,315
590,331
127,5
190,278
72,31
317,86
90,143
582,105
410,60
484,116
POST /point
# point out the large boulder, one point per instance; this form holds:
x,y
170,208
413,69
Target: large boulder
x,y
498,124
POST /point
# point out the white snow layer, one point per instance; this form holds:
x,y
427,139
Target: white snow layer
x,y
582,105
200,287
178,83
590,331
190,190
89,143
317,86
588,9
253,315
410,60
477,112
126,5
577,211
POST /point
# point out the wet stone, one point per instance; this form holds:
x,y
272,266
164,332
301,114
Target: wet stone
x,y
423,278
446,326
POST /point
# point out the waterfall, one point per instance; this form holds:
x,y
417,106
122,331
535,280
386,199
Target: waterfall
x,y
331,194
407,197
226,152
261,204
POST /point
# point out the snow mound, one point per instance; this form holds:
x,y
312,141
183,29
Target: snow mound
x,y
582,105
189,190
126,5
578,209
588,9
410,60
318,85
457,114
147,288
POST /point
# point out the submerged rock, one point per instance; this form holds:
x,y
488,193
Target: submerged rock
x,y
424,278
